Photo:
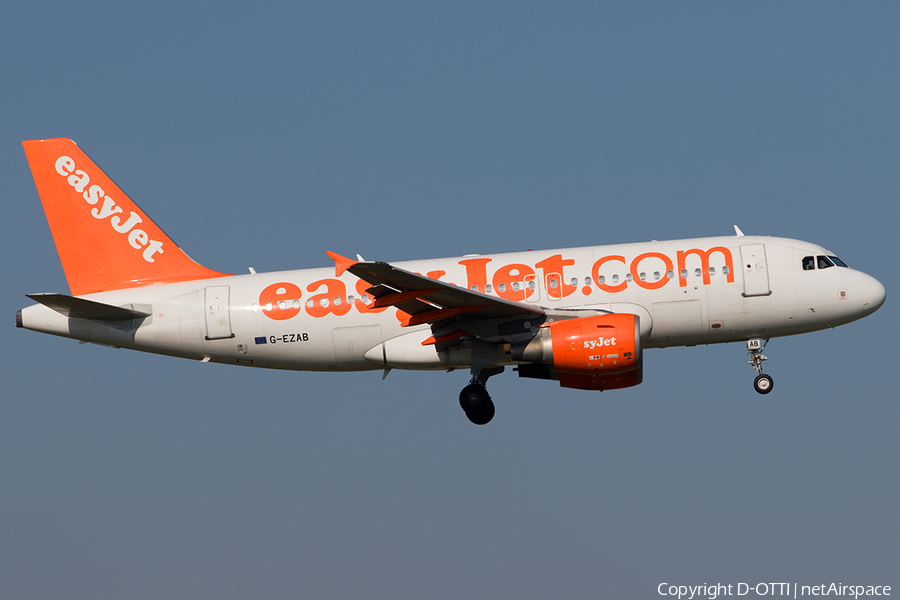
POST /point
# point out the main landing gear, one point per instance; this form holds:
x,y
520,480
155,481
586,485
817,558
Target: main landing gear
x,y
474,398
763,383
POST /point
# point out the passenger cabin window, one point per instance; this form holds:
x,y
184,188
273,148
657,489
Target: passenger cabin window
x,y
823,262
809,263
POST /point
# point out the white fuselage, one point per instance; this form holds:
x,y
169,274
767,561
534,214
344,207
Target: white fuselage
x,y
686,292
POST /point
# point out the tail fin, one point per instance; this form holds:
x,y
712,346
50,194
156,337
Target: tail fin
x,y
104,241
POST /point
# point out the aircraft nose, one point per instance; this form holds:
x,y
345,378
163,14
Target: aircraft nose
x,y
873,294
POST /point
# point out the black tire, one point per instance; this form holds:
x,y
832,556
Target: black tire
x,y
483,415
476,402
763,384
472,396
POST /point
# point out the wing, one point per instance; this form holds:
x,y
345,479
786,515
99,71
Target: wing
x,y
428,300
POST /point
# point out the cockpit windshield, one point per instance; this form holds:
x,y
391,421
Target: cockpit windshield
x,y
823,262
811,263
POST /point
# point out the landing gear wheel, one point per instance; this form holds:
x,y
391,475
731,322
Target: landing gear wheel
x,y
484,416
476,402
763,384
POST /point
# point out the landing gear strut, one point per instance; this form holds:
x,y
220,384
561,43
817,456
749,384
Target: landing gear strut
x,y
763,383
475,400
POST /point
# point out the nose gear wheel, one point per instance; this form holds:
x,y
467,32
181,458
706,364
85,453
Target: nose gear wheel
x,y
763,383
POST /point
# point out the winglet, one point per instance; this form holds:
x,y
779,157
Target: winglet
x,y
738,232
341,263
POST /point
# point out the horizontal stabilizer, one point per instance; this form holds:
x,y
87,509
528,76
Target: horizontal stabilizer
x,y
79,308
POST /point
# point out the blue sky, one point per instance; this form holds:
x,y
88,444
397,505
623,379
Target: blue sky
x,y
262,136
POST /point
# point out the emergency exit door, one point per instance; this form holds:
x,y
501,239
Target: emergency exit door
x,y
218,313
756,272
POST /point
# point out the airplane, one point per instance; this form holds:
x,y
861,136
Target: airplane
x,y
579,316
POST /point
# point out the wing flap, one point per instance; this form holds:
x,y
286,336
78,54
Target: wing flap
x,y
439,314
399,297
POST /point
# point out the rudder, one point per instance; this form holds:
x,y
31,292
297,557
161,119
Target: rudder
x,y
104,240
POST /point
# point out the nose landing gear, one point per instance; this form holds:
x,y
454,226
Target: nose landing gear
x,y
763,383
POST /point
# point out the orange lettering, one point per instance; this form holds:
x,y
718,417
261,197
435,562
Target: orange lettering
x,y
361,286
647,285
280,301
334,300
509,277
704,263
595,273
553,271
403,317
476,272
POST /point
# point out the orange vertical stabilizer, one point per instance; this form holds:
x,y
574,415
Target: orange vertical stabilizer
x,y
104,240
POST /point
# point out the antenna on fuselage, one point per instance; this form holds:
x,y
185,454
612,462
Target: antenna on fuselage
x,y
738,232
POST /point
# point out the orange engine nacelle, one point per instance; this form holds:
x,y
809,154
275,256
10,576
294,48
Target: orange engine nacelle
x,y
588,353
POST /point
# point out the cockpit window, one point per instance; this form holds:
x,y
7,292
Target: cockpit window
x,y
809,263
838,261
823,262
